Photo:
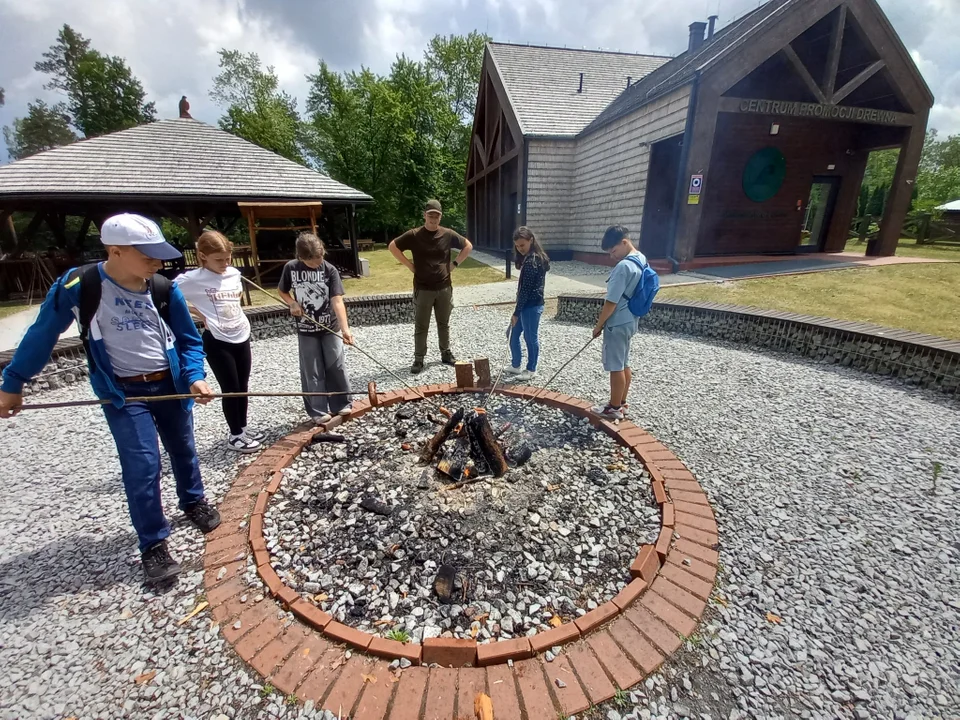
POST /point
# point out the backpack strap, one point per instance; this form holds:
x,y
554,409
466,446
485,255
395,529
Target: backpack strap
x,y
643,267
161,288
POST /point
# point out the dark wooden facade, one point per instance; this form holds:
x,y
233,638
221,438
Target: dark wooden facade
x,y
833,81
824,82
495,167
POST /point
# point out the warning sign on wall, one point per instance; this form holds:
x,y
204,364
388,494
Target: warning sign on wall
x,y
696,184
693,199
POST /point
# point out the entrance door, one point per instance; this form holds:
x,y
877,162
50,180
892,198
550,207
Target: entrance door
x,y
816,222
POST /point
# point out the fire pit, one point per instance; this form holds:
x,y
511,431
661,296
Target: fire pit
x,y
486,524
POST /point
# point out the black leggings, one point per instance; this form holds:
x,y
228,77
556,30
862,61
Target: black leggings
x,y
230,363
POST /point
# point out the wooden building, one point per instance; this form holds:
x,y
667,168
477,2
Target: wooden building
x,y
753,141
183,170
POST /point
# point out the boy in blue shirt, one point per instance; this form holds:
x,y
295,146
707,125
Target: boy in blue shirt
x,y
134,349
617,323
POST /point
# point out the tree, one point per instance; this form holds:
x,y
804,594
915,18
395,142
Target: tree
x,y
864,199
256,109
43,128
103,95
877,201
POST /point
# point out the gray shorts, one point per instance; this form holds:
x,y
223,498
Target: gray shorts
x,y
616,346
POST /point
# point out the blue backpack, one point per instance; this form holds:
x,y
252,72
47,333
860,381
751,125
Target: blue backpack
x,y
646,291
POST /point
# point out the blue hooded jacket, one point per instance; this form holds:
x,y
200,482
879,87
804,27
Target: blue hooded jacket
x,y
183,345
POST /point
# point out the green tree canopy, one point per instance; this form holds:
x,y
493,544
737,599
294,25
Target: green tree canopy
x,y
401,138
103,95
256,109
43,128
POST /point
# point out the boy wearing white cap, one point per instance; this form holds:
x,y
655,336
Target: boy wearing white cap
x,y
140,341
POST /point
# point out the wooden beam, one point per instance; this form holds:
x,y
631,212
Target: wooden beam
x,y
804,74
503,160
901,189
839,113
8,232
859,80
483,153
171,216
352,225
84,227
833,59
252,227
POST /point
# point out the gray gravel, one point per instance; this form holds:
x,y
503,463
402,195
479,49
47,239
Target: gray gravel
x,y
836,494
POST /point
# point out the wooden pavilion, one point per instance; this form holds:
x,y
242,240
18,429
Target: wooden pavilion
x,y
190,173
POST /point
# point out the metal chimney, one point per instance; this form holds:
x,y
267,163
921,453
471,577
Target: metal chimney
x,y
580,89
629,80
697,30
713,25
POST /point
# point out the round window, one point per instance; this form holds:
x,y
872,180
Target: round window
x,y
764,174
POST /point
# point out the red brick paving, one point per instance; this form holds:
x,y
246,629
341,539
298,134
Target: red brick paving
x,y
617,664
591,673
408,699
537,700
572,698
348,685
470,682
375,697
441,694
648,617
502,689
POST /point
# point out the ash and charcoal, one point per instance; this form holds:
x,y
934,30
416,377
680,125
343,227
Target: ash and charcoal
x,y
369,534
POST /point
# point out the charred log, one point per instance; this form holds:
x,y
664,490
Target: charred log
x,y
456,459
436,442
487,450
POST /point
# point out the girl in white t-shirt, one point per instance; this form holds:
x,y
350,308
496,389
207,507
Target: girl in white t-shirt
x,y
213,291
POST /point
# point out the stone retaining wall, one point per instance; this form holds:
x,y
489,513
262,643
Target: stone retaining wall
x,y
912,358
68,364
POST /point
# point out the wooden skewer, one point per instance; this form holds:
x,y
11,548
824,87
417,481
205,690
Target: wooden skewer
x,y
179,396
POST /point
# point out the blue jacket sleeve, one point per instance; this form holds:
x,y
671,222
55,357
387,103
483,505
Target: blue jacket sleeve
x,y
189,344
37,345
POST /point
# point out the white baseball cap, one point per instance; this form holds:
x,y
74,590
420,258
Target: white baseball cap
x,y
129,230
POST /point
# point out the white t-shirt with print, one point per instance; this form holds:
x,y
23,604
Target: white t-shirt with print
x,y
217,298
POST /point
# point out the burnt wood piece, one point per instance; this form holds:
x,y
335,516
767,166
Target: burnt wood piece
x,y
518,454
373,505
482,367
406,412
443,583
464,374
326,437
436,442
455,459
482,438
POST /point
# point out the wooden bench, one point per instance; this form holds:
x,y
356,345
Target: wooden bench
x,y
365,244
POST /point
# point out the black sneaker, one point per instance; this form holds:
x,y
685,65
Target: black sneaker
x,y
448,359
203,515
417,367
157,563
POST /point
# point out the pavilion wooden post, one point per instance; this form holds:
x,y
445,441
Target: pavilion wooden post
x,y
354,242
252,227
898,201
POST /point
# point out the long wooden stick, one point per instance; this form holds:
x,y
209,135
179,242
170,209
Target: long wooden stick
x,y
182,396
339,335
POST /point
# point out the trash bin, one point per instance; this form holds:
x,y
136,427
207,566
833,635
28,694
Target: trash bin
x,y
364,267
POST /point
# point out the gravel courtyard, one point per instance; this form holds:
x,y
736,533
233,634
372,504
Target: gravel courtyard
x,y
836,496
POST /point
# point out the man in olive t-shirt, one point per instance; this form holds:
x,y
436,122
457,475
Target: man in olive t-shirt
x,y
430,246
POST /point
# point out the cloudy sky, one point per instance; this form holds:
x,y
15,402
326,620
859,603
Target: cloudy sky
x,y
172,45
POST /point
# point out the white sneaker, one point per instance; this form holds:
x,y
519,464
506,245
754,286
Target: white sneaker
x,y
346,411
607,411
242,444
524,376
510,370
254,435
322,419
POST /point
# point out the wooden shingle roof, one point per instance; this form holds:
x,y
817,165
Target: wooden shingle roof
x,y
177,158
542,83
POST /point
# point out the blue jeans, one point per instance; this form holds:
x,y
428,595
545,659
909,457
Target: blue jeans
x,y
528,323
135,427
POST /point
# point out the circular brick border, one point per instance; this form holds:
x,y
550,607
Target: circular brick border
x,y
621,641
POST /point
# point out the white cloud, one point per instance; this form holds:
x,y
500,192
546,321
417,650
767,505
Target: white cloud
x,y
172,45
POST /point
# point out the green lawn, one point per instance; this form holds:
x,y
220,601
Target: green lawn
x,y
389,276
921,298
909,248
12,308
